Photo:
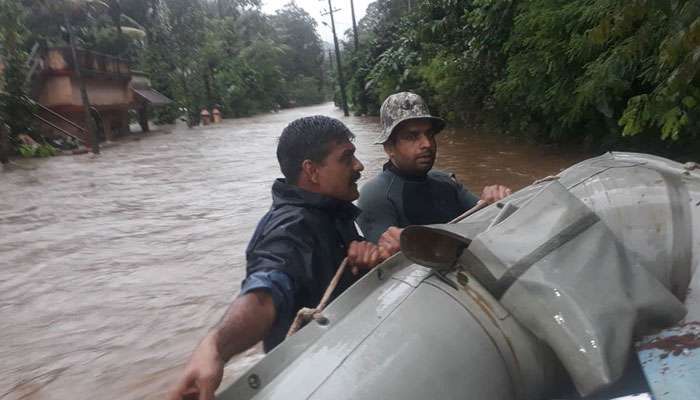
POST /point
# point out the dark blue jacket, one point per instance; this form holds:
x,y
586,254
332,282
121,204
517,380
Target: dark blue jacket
x,y
296,250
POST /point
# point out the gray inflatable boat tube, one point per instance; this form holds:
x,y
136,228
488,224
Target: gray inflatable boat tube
x,y
432,329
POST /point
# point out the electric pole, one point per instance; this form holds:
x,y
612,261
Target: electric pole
x,y
354,25
341,81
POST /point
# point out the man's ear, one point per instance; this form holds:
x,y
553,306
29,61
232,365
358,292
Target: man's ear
x,y
389,149
310,171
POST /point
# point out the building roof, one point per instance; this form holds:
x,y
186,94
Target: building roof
x,y
152,96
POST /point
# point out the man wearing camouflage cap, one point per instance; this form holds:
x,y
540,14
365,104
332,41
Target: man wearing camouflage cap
x,y
409,191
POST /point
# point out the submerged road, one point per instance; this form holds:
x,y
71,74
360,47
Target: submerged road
x,y
112,268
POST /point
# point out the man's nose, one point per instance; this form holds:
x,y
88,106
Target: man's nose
x,y
358,165
425,141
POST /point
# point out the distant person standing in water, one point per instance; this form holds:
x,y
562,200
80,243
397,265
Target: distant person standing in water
x,y
295,250
408,191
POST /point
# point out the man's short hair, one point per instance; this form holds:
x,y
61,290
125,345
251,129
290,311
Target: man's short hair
x,y
308,138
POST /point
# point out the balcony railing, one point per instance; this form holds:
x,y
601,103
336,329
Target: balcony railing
x,y
89,61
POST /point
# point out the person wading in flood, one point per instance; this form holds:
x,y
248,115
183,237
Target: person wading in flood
x,y
294,252
408,191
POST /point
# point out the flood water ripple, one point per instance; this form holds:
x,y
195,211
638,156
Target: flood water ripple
x,y
113,267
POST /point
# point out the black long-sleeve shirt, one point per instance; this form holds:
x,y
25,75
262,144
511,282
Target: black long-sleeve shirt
x,y
395,199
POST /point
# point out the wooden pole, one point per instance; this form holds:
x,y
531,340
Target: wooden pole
x,y
341,82
89,123
354,25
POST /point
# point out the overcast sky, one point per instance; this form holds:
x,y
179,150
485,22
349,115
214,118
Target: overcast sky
x,y
343,19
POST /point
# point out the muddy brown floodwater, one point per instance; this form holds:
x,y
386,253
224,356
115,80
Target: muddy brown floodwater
x,y
112,268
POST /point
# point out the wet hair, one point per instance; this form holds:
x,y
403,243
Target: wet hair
x,y
308,138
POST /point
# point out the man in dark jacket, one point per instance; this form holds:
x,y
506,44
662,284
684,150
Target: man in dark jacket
x,y
408,191
295,250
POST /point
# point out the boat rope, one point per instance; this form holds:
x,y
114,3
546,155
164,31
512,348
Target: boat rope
x,y
481,204
306,315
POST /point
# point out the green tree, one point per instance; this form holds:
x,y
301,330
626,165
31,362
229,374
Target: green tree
x,y
295,31
605,70
670,92
610,73
200,53
15,109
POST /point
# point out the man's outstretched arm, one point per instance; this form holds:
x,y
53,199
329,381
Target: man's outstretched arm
x,y
246,322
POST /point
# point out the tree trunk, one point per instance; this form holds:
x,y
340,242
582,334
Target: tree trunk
x,y
115,11
191,112
207,88
89,123
4,144
143,118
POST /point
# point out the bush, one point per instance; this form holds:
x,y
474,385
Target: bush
x,y
45,150
42,150
27,151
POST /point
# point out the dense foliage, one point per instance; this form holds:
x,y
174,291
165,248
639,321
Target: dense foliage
x,y
201,53
610,73
607,73
14,108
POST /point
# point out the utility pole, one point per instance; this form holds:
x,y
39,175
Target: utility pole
x,y
341,81
90,124
354,25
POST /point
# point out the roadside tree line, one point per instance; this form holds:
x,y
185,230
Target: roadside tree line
x,y
607,73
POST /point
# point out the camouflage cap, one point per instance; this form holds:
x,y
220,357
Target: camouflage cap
x,y
401,107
